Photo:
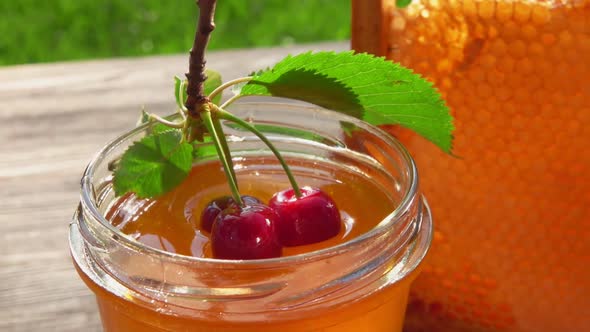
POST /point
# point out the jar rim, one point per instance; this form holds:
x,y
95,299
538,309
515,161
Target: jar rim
x,y
88,202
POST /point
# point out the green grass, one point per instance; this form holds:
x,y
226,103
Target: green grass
x,y
55,30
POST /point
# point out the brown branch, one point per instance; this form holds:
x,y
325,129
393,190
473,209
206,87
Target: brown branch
x,y
196,68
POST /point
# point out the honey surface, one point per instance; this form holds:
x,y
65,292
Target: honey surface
x,y
512,213
171,222
167,223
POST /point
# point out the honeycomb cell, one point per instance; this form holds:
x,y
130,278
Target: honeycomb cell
x,y
522,11
540,14
486,9
496,79
536,49
498,47
548,39
493,33
511,30
529,31
545,68
525,66
469,8
504,10
503,93
517,48
565,39
488,61
483,90
444,65
506,65
476,75
534,83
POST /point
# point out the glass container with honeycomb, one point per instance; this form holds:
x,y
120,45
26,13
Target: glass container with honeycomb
x,y
511,247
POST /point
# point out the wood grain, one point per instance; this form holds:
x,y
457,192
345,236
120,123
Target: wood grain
x,y
53,118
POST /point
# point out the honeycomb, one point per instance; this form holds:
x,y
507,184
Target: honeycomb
x,y
511,250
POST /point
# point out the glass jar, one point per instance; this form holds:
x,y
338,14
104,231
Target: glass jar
x,y
357,285
511,243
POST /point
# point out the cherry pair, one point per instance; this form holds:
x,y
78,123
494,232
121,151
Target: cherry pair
x,y
256,231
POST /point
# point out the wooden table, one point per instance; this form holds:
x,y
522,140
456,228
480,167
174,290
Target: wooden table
x,y
53,118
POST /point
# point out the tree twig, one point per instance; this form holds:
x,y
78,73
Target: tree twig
x,y
196,70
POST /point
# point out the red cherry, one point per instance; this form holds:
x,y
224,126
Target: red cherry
x,y
212,210
245,233
219,204
311,218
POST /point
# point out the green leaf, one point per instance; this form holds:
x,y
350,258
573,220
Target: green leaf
x,y
361,85
154,165
402,3
158,128
236,89
143,118
205,149
213,81
309,85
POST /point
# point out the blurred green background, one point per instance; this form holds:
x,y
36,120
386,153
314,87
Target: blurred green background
x,y
56,30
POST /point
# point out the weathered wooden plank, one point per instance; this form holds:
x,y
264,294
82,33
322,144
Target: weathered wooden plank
x,y
53,117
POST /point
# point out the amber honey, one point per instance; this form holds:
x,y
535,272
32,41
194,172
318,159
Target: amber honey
x,y
172,222
512,210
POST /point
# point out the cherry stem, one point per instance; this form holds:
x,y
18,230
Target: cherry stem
x,y
226,85
196,70
229,174
181,107
156,118
225,148
230,100
186,132
223,114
